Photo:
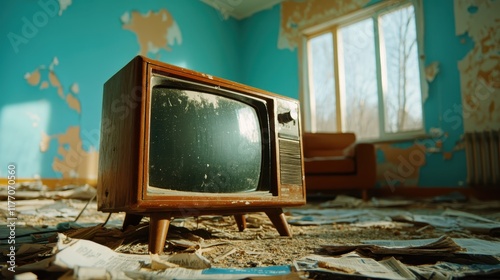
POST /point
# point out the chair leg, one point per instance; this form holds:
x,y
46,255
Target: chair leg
x,y
364,195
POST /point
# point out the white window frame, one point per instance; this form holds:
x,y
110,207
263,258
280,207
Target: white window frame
x,y
326,27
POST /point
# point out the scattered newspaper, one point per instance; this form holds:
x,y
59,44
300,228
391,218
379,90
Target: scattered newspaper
x,y
80,258
424,251
473,246
474,223
447,221
351,259
352,265
69,191
447,270
419,247
454,220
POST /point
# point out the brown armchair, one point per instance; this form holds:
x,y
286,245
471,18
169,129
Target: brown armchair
x,y
335,161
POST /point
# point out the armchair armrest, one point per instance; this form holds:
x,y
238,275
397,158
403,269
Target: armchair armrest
x,y
326,144
336,161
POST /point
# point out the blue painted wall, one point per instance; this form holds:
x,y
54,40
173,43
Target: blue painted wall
x,y
90,45
442,45
263,64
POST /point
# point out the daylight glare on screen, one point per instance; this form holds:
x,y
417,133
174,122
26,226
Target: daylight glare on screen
x,y
202,142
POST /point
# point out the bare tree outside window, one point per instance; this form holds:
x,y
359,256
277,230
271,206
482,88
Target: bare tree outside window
x,y
359,90
378,80
322,83
402,96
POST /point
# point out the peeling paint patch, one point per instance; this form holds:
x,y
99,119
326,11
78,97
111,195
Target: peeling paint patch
x,y
431,71
44,85
54,81
154,30
296,15
401,166
75,88
480,68
46,77
33,78
63,5
74,161
447,155
73,103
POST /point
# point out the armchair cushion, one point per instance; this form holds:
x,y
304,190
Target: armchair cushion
x,y
336,161
327,144
330,165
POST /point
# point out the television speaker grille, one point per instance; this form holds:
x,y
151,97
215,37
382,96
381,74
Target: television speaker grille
x,y
290,162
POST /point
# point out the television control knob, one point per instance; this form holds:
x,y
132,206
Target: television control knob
x,y
288,116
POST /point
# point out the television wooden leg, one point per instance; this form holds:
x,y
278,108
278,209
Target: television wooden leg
x,y
278,219
240,221
158,228
131,220
364,195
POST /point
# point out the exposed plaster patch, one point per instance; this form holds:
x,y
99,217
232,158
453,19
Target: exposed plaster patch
x,y
401,166
54,81
75,88
431,71
73,103
44,85
47,77
74,161
480,68
296,15
63,5
33,78
154,31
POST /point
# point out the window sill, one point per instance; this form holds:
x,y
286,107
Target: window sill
x,y
397,138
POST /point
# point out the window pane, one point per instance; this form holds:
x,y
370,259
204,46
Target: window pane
x,y
359,90
322,84
401,76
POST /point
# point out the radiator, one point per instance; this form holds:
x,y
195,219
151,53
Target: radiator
x,y
482,152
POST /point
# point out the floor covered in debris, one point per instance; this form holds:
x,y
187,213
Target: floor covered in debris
x,y
60,234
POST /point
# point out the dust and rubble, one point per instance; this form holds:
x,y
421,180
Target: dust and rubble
x,y
59,234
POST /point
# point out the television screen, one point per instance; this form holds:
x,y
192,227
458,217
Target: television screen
x,y
204,142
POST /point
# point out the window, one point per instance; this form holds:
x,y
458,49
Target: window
x,y
364,75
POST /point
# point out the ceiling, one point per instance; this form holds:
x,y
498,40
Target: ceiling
x,y
240,9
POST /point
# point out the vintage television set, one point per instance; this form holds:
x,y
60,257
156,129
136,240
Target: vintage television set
x,y
178,143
